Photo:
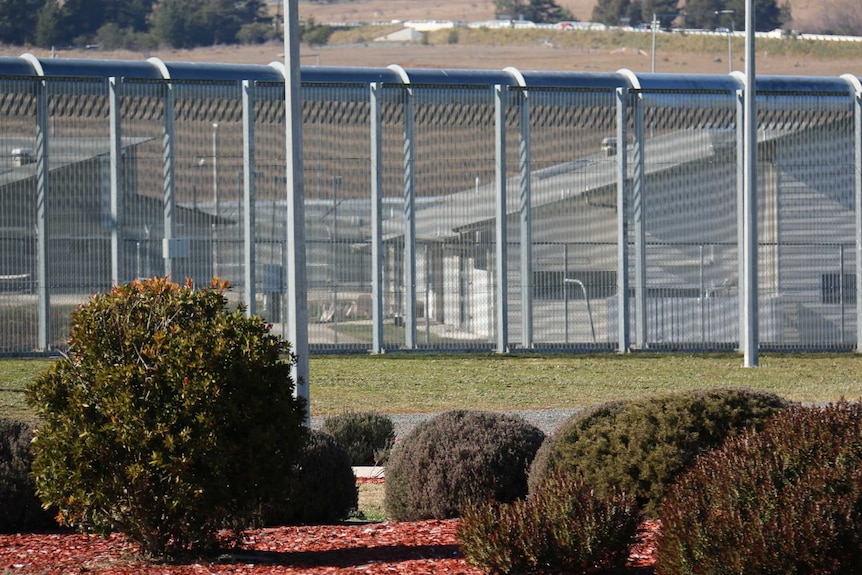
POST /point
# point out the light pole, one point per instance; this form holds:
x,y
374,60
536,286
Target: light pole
x,y
729,37
215,200
336,182
653,25
215,169
199,162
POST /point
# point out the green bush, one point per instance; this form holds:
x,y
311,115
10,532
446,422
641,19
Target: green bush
x,y
457,457
169,420
314,34
641,446
563,526
367,437
786,500
20,509
322,488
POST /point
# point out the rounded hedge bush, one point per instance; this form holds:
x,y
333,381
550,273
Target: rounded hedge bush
x,y
20,509
641,446
785,500
322,488
562,527
457,457
170,419
367,437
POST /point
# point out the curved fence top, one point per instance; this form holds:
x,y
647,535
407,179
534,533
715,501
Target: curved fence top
x,y
686,82
345,74
802,85
153,68
216,72
81,68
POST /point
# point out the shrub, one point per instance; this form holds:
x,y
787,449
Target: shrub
x,y
322,488
314,34
456,457
786,500
20,509
367,437
563,526
641,446
170,420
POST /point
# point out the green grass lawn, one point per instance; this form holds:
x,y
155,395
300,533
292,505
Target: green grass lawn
x,y
423,383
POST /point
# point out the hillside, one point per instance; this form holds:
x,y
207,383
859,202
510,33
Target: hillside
x,y
805,13
526,50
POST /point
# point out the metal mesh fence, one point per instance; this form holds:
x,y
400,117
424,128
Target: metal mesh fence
x,y
104,181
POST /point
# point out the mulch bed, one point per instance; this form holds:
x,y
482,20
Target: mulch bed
x,y
390,547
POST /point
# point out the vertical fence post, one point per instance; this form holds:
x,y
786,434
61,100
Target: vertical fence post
x,y
43,190
740,212
296,270
857,208
526,225
856,94
638,215
117,188
249,259
168,182
376,219
501,247
622,221
752,338
409,223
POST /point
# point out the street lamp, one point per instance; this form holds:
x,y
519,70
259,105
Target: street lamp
x,y
729,37
336,183
216,198
215,169
199,162
653,25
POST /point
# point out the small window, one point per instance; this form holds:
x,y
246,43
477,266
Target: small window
x,y
834,288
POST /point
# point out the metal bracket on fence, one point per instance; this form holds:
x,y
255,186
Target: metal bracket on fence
x,y
587,299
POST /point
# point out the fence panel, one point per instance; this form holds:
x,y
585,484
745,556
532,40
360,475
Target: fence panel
x,y
573,208
807,274
18,260
74,218
690,220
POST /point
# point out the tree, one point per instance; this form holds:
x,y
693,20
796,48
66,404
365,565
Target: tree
x,y
665,11
18,20
532,10
768,14
131,14
707,14
615,12
49,31
697,13
82,18
190,23
170,419
178,23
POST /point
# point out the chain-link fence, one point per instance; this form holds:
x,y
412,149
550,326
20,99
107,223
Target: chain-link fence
x,y
444,210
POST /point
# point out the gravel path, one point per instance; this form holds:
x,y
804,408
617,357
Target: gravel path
x,y
545,419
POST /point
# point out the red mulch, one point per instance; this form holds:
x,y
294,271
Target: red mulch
x,y
391,547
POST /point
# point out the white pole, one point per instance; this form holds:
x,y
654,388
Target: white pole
x,y
750,345
653,26
297,305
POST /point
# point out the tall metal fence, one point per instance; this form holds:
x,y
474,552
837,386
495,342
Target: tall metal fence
x,y
483,210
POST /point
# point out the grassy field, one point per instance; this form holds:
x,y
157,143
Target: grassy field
x,y
405,383
430,383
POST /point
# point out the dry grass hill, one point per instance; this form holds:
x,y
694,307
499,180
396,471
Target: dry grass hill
x,y
537,50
